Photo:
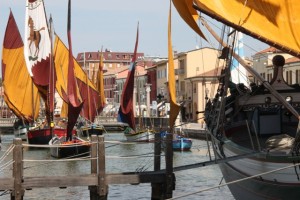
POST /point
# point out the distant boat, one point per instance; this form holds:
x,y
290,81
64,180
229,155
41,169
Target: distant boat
x,y
76,147
179,143
61,148
126,110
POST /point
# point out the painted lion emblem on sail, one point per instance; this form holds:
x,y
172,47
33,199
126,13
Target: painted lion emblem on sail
x,y
34,40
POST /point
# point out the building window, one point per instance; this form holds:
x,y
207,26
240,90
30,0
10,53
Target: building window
x,y
181,64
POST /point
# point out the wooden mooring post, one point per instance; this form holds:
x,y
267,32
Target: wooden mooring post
x,y
162,181
18,192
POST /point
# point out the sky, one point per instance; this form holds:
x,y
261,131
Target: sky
x,y
112,24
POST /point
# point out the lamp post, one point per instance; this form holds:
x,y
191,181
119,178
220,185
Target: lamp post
x,y
148,90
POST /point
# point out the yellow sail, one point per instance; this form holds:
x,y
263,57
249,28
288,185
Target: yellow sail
x,y
275,22
20,94
90,96
174,107
188,14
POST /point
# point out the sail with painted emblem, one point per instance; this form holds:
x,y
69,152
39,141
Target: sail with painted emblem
x,y
37,50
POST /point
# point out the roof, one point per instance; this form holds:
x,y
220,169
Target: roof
x,y
269,50
292,60
108,56
140,71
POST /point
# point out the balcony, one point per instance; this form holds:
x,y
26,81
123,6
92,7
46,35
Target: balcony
x,y
179,71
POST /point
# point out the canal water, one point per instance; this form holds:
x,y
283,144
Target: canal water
x,y
120,158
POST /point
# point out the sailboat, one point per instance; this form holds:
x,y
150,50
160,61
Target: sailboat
x,y
258,125
70,145
94,103
39,62
179,142
126,110
21,95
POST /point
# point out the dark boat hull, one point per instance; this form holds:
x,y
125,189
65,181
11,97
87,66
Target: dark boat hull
x,y
282,184
257,188
43,136
76,148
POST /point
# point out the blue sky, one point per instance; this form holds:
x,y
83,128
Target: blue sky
x,y
112,24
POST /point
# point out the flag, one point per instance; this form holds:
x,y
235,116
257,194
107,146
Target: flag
x,y
174,107
238,72
74,106
20,95
100,84
126,112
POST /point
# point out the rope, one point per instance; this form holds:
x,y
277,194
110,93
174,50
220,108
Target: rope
x,y
7,152
237,181
4,166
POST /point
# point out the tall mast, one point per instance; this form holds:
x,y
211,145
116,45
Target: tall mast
x,y
51,90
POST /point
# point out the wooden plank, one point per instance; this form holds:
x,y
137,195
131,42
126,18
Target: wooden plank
x,y
60,181
88,180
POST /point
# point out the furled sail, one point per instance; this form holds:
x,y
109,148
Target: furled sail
x,y
74,103
174,107
100,84
20,94
275,22
126,112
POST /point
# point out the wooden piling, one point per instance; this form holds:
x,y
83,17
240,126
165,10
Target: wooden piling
x,y
102,187
170,178
156,193
18,192
93,189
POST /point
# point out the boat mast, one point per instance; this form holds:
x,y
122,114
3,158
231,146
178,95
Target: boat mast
x,y
252,71
51,90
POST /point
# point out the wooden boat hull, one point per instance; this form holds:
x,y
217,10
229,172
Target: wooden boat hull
x,y
76,148
283,184
43,136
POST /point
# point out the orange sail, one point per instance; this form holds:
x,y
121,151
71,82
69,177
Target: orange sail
x,y
275,22
20,94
